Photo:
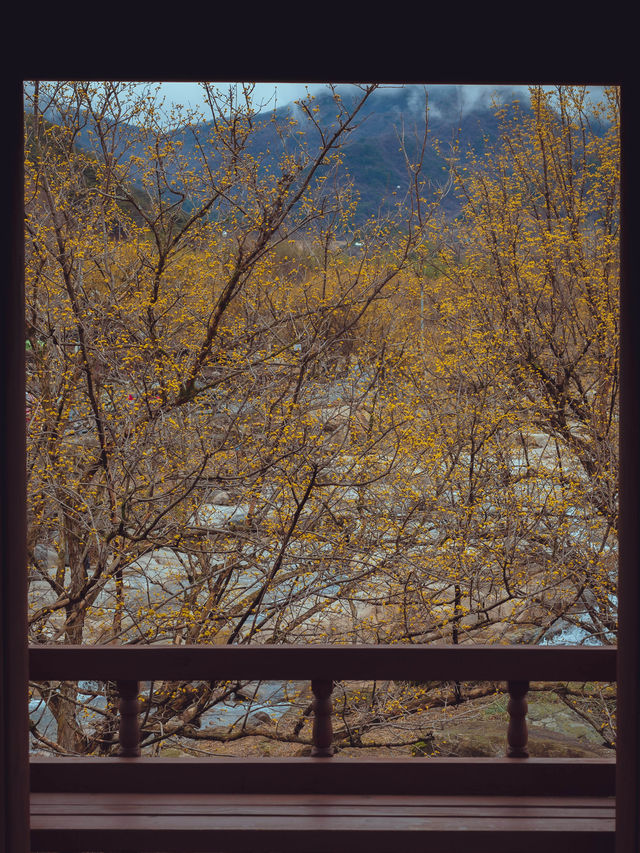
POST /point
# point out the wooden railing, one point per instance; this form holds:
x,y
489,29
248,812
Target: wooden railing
x,y
323,665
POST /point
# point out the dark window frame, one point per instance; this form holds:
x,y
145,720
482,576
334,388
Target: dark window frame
x,y
13,611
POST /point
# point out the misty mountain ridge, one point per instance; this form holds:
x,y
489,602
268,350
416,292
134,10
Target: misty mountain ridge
x,y
388,131
373,155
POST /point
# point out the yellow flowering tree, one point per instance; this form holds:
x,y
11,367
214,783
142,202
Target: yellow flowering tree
x,y
195,394
243,429
523,334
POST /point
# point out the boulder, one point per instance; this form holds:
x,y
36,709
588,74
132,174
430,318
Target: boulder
x,y
260,718
488,738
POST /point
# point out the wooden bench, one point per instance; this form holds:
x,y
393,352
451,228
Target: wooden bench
x,y
322,823
322,803
272,804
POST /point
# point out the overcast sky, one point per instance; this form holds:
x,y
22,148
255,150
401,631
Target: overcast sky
x,y
280,94
267,96
190,94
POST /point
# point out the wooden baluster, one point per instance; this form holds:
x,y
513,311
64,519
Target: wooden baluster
x,y
322,707
517,733
129,724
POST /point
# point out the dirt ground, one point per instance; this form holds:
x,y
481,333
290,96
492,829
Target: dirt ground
x,y
476,727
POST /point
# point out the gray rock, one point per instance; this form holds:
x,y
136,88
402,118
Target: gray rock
x,y
258,719
46,556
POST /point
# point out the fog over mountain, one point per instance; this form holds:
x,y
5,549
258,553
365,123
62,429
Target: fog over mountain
x,y
390,129
395,117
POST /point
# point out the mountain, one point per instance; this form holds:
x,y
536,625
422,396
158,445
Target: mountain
x,y
372,153
374,156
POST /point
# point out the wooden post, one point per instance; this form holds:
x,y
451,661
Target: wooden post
x,y
517,733
322,707
14,676
129,725
628,728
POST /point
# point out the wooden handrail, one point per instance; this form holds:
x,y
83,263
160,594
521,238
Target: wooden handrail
x,y
324,663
